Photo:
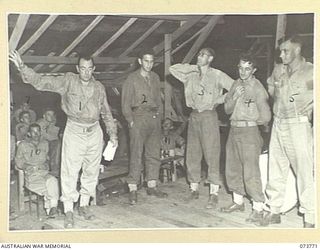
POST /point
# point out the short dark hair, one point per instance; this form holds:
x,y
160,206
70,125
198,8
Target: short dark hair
x,y
46,109
293,38
210,50
34,125
85,57
22,113
249,57
145,51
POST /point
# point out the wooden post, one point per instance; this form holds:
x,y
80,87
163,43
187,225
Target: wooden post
x,y
281,28
167,64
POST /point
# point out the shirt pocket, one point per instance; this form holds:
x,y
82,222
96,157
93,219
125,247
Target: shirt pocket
x,y
75,100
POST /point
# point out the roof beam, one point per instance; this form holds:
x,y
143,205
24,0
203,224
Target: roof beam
x,y
37,34
39,66
18,30
202,37
115,36
186,42
142,38
177,33
73,60
83,34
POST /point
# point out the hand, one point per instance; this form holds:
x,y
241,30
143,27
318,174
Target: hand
x,y
238,92
15,57
114,142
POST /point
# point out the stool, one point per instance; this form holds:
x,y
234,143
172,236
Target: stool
x,y
166,171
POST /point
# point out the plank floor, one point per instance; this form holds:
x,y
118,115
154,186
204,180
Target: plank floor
x,y
172,212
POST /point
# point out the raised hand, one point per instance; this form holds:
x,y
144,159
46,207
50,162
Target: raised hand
x,y
15,57
238,92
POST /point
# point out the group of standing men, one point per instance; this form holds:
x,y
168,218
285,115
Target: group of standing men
x,y
83,99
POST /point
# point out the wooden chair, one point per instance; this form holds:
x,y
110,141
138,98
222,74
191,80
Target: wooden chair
x,y
32,197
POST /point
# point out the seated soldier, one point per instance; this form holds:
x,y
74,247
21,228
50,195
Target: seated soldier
x,y
25,107
50,132
171,142
23,126
31,157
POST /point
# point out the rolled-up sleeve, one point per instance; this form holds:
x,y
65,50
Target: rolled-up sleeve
x,y
182,71
263,107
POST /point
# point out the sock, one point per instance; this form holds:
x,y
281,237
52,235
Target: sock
x,y
194,186
84,200
68,206
132,187
152,184
237,198
258,206
214,189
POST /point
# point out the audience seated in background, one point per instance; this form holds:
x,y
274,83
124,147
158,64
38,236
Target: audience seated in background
x,y
32,158
50,132
23,126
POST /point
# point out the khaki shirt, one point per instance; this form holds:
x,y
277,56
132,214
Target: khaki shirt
x,y
83,104
202,92
252,105
32,158
139,92
293,93
49,131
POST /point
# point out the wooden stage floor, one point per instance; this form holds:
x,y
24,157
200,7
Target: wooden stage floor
x,y
171,212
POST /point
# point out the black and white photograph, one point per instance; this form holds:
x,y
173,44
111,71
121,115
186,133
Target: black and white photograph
x,y
161,121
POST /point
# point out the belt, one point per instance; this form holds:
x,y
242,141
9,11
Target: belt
x,y
148,109
201,111
83,128
242,124
291,120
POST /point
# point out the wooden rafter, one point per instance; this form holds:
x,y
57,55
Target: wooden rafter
x,y
37,34
115,36
18,31
79,38
142,38
202,37
186,41
180,31
39,66
72,60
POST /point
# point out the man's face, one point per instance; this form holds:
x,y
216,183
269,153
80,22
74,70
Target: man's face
x,y
167,125
50,116
26,119
146,62
25,106
246,70
288,52
204,58
85,69
35,133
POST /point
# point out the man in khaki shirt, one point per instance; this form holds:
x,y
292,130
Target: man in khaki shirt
x,y
247,102
141,107
32,158
83,99
291,143
203,87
